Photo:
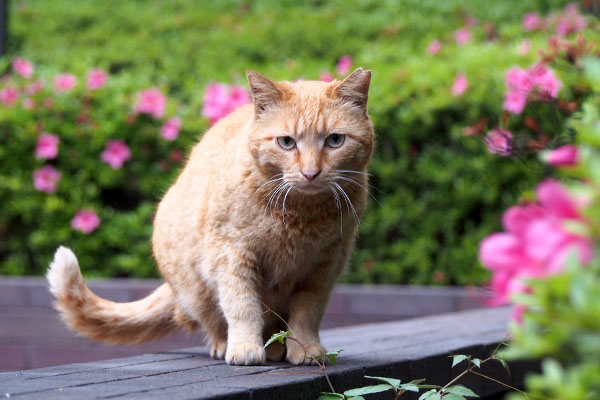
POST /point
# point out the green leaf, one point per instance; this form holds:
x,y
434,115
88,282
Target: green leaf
x,y
431,395
477,362
368,390
390,381
457,359
278,337
331,396
461,390
452,396
356,398
331,355
410,387
504,364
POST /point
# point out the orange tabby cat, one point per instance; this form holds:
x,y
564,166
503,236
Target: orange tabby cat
x,y
262,217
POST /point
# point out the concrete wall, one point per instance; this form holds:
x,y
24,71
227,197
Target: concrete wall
x,y
32,335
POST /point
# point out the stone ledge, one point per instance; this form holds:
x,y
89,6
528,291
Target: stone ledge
x,y
412,349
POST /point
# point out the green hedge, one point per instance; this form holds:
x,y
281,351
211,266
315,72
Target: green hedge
x,y
438,192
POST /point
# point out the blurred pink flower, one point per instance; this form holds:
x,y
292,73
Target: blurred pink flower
x,y
170,129
462,36
520,83
567,155
460,85
9,95
85,221
28,103
434,47
64,82
221,99
34,87
116,153
532,21
343,65
535,243
22,67
96,79
524,47
326,76
47,146
152,102
545,80
570,20
45,179
515,102
499,141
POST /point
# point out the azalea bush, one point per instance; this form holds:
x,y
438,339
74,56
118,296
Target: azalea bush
x,y
97,115
547,263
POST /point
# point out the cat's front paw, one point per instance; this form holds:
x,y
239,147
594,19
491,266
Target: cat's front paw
x,y
245,354
297,355
218,348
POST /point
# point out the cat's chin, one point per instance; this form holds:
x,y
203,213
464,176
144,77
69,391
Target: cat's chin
x,y
311,189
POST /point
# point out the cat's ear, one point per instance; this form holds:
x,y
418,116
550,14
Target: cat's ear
x,y
264,92
355,88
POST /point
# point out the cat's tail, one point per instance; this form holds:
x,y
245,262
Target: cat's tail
x,y
99,319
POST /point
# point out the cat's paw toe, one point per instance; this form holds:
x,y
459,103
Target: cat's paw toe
x,y
297,355
217,349
245,354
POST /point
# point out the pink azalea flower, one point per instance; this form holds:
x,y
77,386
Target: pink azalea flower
x,y
434,47
170,129
567,155
116,153
514,102
532,21
326,76
499,141
85,221
34,87
462,36
343,65
47,146
9,95
461,84
524,47
64,82
570,21
545,80
221,99
535,244
518,80
45,179
22,67
96,79
152,102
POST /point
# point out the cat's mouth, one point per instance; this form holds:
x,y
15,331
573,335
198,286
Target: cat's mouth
x,y
310,188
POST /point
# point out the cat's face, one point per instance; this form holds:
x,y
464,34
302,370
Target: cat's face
x,y
311,135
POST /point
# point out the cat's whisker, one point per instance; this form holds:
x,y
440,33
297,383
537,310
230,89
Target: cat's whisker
x,y
273,179
350,171
271,196
348,179
338,205
348,202
283,211
281,191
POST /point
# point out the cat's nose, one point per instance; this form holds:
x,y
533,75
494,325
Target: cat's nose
x,y
310,174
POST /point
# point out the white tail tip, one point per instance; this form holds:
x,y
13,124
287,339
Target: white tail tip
x,y
64,274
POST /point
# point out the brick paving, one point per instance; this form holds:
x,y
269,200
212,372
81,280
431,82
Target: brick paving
x,y
411,349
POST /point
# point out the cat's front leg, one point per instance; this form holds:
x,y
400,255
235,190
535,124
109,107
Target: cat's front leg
x,y
240,302
307,306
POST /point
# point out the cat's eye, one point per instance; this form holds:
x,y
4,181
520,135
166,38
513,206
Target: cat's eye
x,y
334,140
286,142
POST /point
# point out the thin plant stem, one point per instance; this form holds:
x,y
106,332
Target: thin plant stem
x,y
507,385
321,366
